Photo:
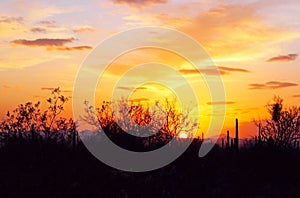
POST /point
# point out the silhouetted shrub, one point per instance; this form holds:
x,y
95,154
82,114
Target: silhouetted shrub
x,y
29,121
282,129
127,122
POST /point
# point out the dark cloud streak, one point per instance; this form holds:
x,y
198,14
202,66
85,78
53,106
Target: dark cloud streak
x,y
43,42
75,48
38,30
214,70
272,85
51,89
283,58
51,44
206,71
8,19
230,69
130,88
48,23
220,103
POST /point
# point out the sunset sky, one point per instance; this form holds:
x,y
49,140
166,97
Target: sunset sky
x,y
255,45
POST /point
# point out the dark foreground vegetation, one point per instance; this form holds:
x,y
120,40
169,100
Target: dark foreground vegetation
x,y
30,169
42,156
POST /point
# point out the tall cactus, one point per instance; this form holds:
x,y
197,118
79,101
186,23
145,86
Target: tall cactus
x,y
237,134
259,133
222,143
228,140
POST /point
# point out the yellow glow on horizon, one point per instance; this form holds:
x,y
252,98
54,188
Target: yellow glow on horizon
x,y
183,135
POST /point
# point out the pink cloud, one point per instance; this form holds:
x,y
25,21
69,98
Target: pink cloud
x,y
139,3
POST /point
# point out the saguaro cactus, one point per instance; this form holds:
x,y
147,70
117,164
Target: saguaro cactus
x,y
259,133
228,140
222,143
237,134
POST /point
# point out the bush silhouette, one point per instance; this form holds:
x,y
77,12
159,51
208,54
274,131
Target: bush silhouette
x,y
29,120
282,129
117,118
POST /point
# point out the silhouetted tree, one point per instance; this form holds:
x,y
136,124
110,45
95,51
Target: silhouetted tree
x,y
282,129
29,117
164,124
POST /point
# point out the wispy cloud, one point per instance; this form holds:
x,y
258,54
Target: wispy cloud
x,y
214,70
283,58
227,29
220,103
83,30
139,99
10,86
38,30
10,19
272,85
231,69
48,23
51,44
139,3
160,18
206,71
43,42
296,96
130,88
38,96
75,48
51,89
47,88
6,86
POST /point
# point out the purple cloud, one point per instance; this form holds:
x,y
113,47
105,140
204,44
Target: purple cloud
x,y
283,58
272,85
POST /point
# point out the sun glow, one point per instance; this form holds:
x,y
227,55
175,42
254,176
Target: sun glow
x,y
183,135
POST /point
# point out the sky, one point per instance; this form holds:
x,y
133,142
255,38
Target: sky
x,y
254,44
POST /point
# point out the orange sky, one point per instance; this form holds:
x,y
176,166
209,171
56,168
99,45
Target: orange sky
x,y
255,45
